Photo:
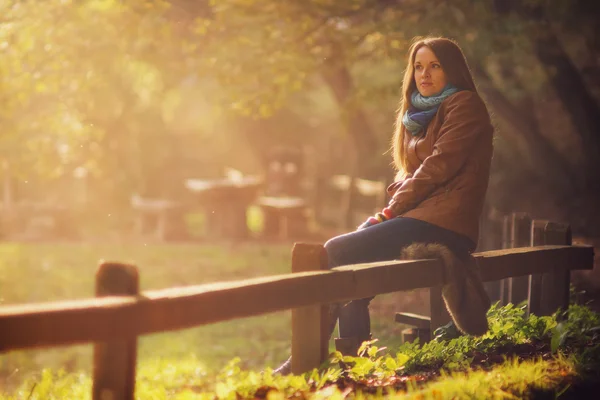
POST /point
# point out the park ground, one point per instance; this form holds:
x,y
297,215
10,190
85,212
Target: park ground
x,y
39,272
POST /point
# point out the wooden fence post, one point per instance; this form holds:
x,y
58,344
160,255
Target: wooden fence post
x,y
534,300
491,239
506,244
556,285
115,360
310,335
520,237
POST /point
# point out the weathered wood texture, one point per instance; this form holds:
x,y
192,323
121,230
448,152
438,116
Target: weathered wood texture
x,y
115,360
520,236
534,300
556,284
500,264
507,221
416,320
309,323
92,320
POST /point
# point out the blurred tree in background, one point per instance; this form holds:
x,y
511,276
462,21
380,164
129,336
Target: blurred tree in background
x,y
139,95
89,87
536,64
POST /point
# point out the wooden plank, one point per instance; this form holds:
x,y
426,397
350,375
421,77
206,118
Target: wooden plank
x,y
506,244
500,264
492,239
409,335
534,301
309,324
115,361
61,323
416,320
556,284
518,287
394,276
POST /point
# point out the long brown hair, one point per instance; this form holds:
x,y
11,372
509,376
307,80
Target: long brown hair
x,y
457,72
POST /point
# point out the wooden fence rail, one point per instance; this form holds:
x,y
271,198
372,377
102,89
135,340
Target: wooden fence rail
x,y
114,320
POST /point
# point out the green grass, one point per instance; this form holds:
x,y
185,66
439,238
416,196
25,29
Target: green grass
x,y
46,272
184,380
196,363
49,272
197,226
511,380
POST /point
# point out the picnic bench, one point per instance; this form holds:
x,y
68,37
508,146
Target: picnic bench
x,y
157,210
120,312
284,216
225,203
283,204
33,220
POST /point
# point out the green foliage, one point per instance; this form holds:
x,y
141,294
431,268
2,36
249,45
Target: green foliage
x,y
508,327
509,324
370,363
509,380
53,101
116,86
187,364
579,334
582,323
109,94
188,379
167,377
52,272
56,385
559,335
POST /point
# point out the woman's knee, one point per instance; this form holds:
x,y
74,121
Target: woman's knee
x,y
341,250
333,247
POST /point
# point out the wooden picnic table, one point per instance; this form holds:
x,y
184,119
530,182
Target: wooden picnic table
x,y
225,202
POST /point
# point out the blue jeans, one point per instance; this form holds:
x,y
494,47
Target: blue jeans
x,y
384,242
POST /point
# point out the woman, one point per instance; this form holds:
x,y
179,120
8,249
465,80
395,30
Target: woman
x,y
442,149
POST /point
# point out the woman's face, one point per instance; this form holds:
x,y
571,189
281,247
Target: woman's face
x,y
430,78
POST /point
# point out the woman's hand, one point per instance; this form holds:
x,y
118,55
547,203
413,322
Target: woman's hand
x,y
382,216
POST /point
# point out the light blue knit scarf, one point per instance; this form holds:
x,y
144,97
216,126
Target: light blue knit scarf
x,y
422,109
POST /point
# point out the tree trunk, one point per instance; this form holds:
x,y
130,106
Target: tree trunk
x,y
577,100
584,112
568,83
551,162
338,77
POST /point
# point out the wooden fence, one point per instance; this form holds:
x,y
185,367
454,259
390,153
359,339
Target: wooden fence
x,y
120,312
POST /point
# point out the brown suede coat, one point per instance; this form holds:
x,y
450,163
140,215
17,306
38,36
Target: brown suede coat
x,y
448,167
